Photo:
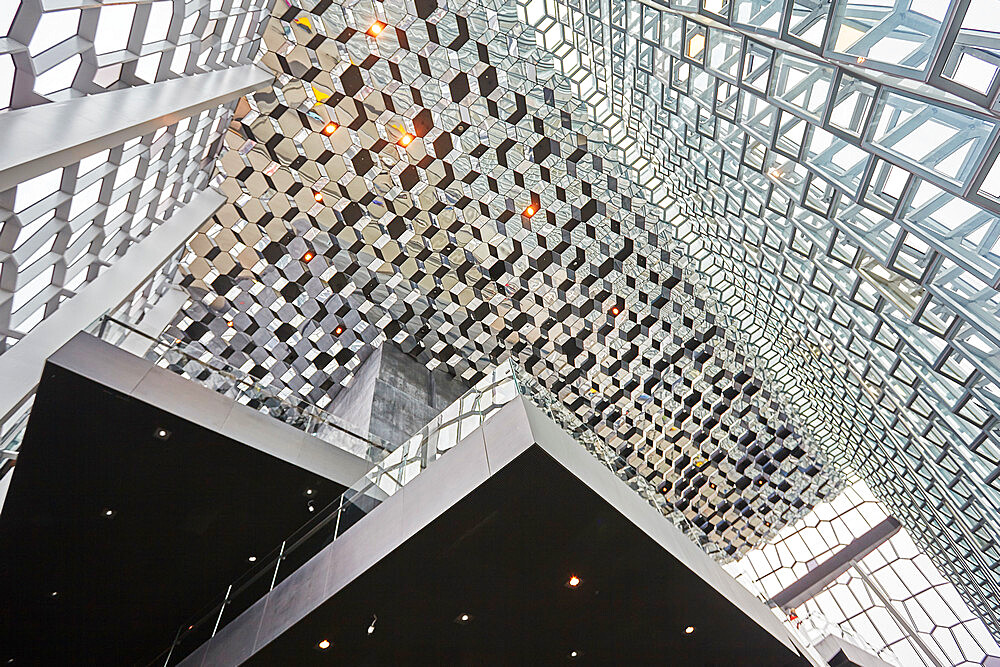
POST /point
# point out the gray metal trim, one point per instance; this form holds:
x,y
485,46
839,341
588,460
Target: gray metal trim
x,y
143,380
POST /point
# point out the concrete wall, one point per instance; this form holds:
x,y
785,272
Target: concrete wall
x,y
393,395
408,395
353,404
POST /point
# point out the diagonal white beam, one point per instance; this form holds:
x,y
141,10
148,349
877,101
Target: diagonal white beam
x,y
45,137
21,366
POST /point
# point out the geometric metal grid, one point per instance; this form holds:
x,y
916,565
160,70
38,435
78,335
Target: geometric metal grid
x,y
60,229
941,623
832,166
465,208
147,295
58,49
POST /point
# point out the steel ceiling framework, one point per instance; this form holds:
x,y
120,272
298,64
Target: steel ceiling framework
x,y
789,247
832,167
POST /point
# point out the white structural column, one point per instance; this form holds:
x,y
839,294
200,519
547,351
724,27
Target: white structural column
x,y
21,366
39,139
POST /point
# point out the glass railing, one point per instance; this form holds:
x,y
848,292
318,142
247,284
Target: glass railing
x,y
11,435
391,473
209,371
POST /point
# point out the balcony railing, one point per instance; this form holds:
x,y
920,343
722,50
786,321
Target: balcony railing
x,y
209,371
397,468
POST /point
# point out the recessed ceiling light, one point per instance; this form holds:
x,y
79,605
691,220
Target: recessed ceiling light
x,y
339,330
615,310
54,594
376,29
462,619
405,140
530,211
310,506
318,196
371,628
252,559
161,433
574,581
574,654
307,257
309,492
329,128
689,630
108,513
324,644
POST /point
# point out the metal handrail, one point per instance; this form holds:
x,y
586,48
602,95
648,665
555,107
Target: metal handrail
x,y
309,412
334,511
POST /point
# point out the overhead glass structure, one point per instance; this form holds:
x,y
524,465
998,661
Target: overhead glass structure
x,y
831,167
750,247
893,601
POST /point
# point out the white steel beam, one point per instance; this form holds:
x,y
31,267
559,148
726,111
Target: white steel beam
x,y
21,366
39,139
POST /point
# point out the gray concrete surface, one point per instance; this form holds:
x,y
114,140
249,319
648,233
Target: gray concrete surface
x,y
393,395
354,403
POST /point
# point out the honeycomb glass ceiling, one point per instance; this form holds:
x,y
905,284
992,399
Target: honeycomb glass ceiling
x,y
436,185
787,249
920,622
831,166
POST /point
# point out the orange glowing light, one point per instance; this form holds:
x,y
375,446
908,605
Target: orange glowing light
x,y
323,645
318,196
615,310
574,581
376,29
330,128
307,257
406,140
338,330
530,211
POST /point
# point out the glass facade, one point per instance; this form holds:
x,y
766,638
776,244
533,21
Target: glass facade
x,y
59,229
461,204
893,602
833,173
